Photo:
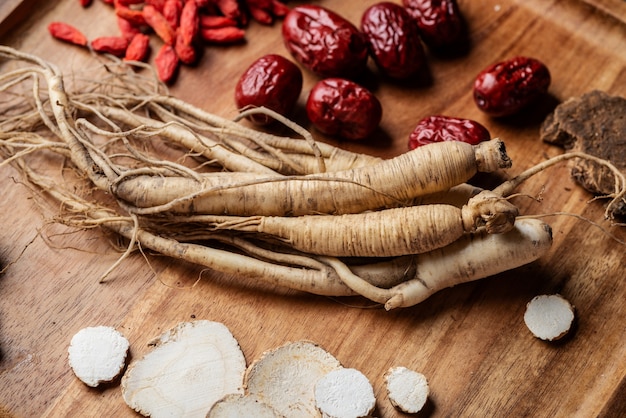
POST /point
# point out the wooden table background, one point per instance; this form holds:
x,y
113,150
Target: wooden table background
x,y
470,341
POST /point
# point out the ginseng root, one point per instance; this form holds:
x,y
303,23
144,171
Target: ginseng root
x,y
155,196
397,231
390,183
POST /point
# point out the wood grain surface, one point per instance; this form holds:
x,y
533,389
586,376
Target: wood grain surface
x,y
470,341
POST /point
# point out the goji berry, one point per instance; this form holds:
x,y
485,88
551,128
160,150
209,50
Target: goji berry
x,y
186,53
233,10
214,22
159,24
138,48
223,35
264,11
127,29
171,12
157,4
128,2
67,33
261,11
189,23
114,45
279,9
85,3
134,17
166,63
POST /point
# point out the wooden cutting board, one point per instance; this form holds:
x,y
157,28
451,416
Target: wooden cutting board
x,y
470,341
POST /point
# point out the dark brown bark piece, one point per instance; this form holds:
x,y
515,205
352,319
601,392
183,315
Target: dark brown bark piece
x,y
594,123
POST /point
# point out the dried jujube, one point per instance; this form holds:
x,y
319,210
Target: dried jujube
x,y
271,81
393,39
341,107
324,42
441,25
440,128
504,88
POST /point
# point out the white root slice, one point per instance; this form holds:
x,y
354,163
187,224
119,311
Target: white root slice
x,y
344,393
285,377
98,354
192,367
549,317
407,389
239,406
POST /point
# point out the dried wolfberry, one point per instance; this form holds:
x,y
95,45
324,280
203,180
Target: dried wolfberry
x,y
134,17
128,2
261,11
264,11
159,24
157,4
138,48
225,35
114,45
166,63
233,10
189,23
85,3
67,33
187,53
127,29
214,22
171,12
445,128
279,9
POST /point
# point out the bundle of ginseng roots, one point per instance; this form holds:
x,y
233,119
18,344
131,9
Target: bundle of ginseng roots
x,y
290,211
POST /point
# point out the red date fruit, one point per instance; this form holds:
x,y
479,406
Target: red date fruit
x,y
271,81
324,42
394,40
504,88
440,22
445,128
340,107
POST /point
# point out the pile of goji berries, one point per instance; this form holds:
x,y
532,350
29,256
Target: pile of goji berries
x,y
182,25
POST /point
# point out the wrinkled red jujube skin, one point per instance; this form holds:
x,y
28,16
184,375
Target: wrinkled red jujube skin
x,y
446,128
271,81
324,42
340,107
440,22
393,39
504,88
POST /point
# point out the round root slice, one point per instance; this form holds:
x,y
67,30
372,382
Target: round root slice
x,y
238,406
192,366
407,389
344,393
98,354
285,377
549,317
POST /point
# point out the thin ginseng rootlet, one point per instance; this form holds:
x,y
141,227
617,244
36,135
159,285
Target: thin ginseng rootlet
x,y
172,178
